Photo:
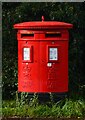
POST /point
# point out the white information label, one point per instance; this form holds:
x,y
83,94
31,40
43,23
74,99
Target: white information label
x,y
53,53
26,53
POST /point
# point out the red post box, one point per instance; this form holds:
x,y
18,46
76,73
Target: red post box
x,y
43,56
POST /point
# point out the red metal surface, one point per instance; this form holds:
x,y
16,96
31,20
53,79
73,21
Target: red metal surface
x,y
40,73
41,25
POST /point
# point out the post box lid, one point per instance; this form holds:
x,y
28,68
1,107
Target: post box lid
x,y
42,25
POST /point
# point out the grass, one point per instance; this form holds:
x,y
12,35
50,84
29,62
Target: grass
x,y
65,108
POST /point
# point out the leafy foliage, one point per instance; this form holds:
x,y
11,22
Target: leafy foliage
x,y
66,108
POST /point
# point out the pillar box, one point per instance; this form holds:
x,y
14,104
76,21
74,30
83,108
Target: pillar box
x,y
43,56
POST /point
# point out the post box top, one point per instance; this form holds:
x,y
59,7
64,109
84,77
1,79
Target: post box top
x,y
43,25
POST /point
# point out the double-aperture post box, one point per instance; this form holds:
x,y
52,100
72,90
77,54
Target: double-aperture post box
x,y
43,56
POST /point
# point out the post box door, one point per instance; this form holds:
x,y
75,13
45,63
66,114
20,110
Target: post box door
x,y
54,66
28,66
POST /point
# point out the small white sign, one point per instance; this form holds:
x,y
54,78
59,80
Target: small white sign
x,y
26,53
49,64
53,53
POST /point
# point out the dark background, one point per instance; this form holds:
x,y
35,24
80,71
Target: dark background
x,y
17,12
